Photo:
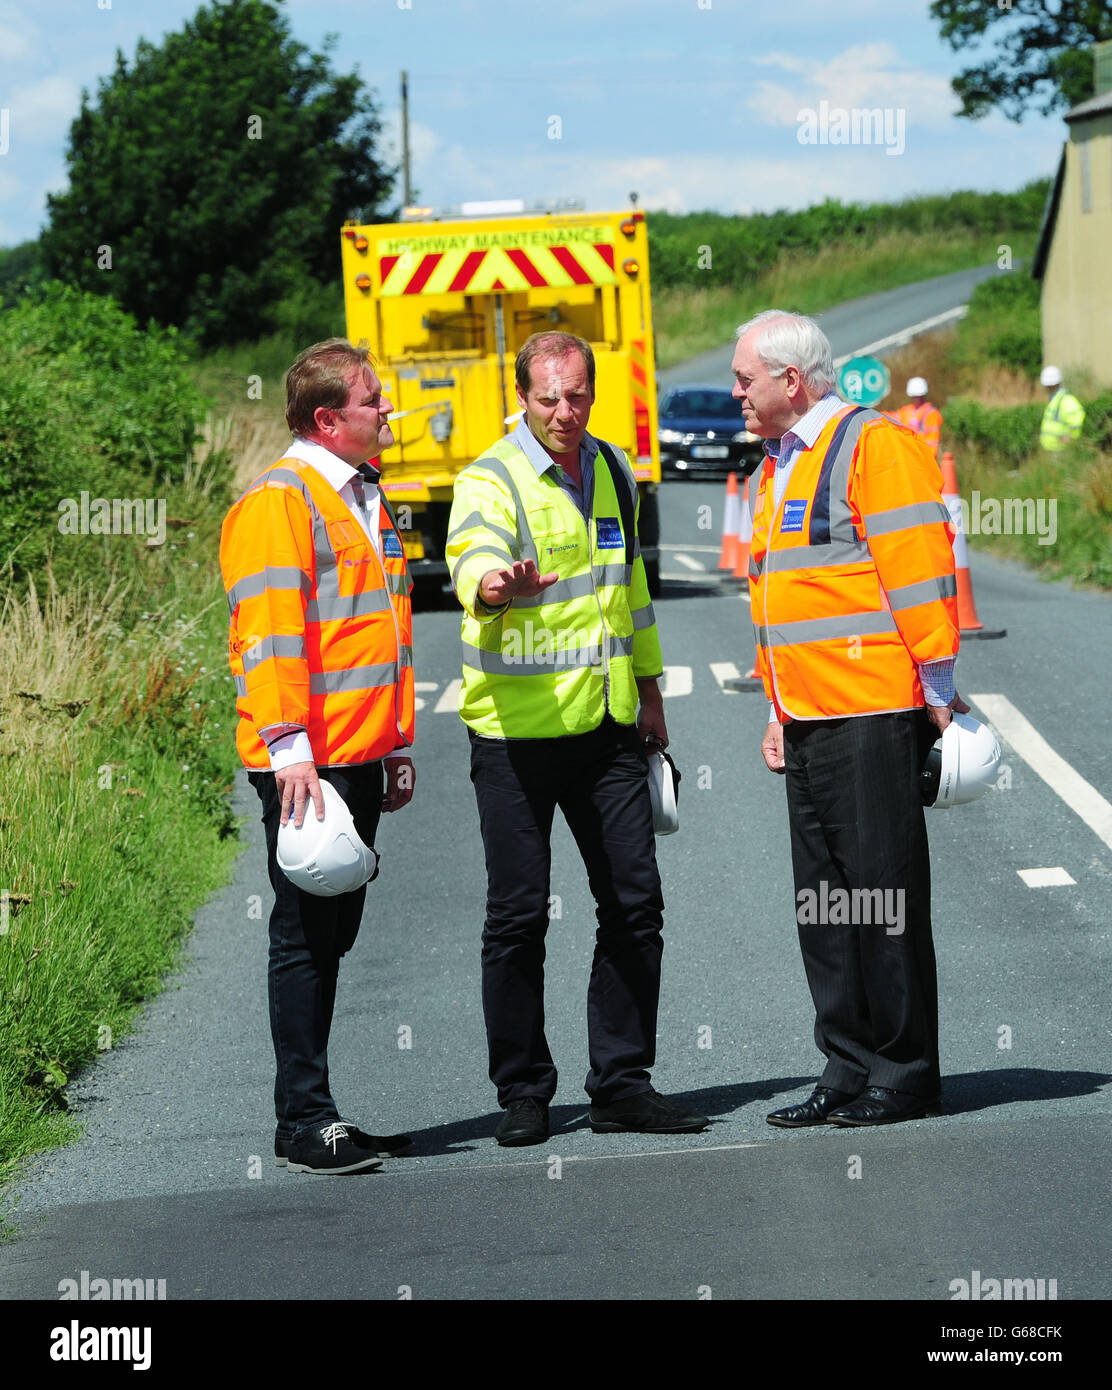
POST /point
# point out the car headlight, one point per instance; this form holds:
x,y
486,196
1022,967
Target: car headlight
x,y
670,436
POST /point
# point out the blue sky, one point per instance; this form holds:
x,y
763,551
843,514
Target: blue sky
x,y
692,103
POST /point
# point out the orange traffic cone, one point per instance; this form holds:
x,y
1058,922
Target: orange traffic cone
x,y
745,535
730,525
970,624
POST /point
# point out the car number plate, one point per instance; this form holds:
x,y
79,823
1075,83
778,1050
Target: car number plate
x,y
710,451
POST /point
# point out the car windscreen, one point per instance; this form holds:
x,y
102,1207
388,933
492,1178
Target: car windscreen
x,y
712,405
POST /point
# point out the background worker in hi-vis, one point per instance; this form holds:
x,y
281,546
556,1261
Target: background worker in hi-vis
x,y
853,598
560,650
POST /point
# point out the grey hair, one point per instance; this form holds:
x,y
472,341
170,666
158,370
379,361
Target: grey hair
x,y
793,340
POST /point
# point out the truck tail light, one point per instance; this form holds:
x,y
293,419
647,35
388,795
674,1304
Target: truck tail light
x,y
631,267
363,282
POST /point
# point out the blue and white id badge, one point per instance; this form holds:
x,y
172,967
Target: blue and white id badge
x,y
794,514
608,530
391,546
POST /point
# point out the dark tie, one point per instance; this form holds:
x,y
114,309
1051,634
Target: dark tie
x,y
365,477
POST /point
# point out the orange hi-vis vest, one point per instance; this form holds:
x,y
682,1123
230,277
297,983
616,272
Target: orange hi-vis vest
x,y
321,627
925,420
851,577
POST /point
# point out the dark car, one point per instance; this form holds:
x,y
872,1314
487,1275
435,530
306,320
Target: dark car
x,y
701,430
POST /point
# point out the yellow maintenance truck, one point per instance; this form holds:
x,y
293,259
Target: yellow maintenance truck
x,y
444,300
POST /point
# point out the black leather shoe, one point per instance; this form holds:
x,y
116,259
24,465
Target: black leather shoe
x,y
812,1111
648,1112
377,1145
525,1122
877,1105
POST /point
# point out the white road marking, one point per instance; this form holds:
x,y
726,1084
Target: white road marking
x,y
1080,796
413,1171
677,681
905,335
418,686
449,701
702,549
1045,878
688,563
724,671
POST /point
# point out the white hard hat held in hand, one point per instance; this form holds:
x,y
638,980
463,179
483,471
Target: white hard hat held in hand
x,y
326,857
961,765
664,792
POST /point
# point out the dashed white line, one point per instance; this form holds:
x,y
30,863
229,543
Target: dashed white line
x,y
1080,796
678,680
1045,878
449,701
688,563
723,671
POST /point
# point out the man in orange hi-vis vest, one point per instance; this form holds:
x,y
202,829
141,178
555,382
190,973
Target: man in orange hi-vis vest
x,y
854,607
919,415
321,651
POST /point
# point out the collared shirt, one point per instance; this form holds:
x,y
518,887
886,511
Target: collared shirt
x,y
542,461
936,677
289,743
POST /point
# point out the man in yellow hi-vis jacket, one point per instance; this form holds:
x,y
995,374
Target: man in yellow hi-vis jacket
x,y
559,650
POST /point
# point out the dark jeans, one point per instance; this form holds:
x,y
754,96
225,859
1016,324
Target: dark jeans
x,y
600,782
857,824
308,935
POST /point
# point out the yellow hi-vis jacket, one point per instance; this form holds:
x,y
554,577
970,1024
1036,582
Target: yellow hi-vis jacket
x,y
557,663
321,630
851,576
1062,420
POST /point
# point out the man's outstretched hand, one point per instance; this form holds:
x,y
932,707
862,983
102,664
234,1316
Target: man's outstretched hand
x,y
523,580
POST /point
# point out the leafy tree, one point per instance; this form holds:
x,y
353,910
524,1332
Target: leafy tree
x,y
1043,54
20,269
215,172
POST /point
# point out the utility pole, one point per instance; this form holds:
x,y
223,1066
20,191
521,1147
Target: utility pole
x,y
407,197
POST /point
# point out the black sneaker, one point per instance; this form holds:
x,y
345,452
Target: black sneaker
x,y
381,1145
648,1112
525,1122
329,1148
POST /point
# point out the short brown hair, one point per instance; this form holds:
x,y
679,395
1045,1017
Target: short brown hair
x,y
322,376
552,344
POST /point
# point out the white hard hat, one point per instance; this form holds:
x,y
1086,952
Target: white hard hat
x,y
664,792
1051,376
917,386
326,857
961,765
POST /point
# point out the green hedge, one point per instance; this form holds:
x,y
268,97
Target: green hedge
x,y
88,402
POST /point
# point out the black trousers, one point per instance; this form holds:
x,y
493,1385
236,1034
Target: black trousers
x,y
600,782
862,879
308,936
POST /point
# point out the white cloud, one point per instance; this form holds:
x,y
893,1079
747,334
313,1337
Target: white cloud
x,y
14,47
866,75
43,110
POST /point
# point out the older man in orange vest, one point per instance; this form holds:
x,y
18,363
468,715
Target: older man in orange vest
x,y
854,606
321,654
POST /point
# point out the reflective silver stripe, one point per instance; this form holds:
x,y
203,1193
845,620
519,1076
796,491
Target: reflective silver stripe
x,y
525,544
288,645
827,629
555,658
405,655
756,567
240,683
272,577
902,518
477,519
563,591
504,560
286,477
330,610
805,557
328,571
357,678
842,529
608,575
397,583
908,595
643,617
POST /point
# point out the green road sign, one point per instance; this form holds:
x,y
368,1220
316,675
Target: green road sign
x,y
864,381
